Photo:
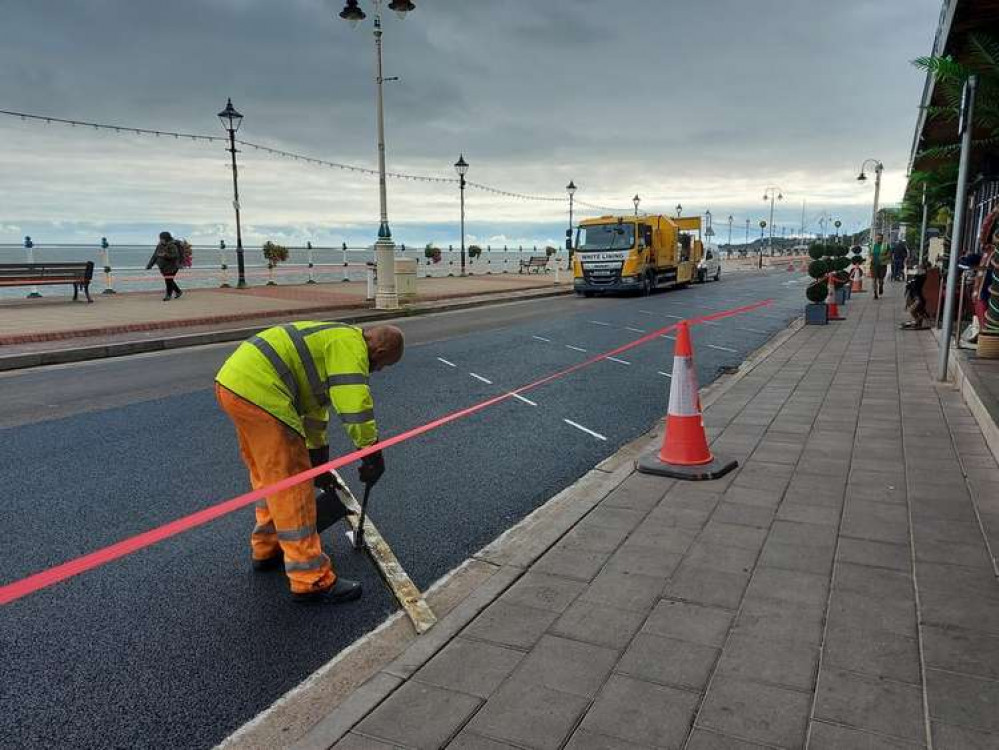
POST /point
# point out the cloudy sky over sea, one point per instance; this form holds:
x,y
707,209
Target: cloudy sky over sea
x,y
699,103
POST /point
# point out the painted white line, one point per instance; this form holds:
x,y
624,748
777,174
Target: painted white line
x,y
754,330
599,323
667,336
619,361
449,364
647,312
722,348
525,400
542,338
575,348
587,430
479,377
678,317
665,374
636,330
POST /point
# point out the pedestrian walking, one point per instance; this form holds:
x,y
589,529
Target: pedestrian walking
x,y
899,253
915,299
277,388
878,266
168,258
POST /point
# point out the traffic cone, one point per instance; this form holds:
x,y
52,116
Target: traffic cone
x,y
831,307
684,453
856,280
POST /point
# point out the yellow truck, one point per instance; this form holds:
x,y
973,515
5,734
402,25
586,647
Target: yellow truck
x,y
635,253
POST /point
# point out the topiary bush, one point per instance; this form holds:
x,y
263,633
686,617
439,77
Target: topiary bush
x,y
817,292
824,262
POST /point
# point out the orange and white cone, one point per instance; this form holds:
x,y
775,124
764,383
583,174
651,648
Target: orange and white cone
x,y
856,279
831,307
684,453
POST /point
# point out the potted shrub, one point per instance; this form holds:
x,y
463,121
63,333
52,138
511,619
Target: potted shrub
x,y
839,263
273,254
433,254
816,292
856,270
474,251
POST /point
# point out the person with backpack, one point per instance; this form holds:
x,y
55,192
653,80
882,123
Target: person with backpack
x,y
168,257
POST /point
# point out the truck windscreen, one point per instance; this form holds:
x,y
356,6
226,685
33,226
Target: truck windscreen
x,y
605,237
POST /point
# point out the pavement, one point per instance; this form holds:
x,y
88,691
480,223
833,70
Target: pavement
x,y
57,318
180,644
837,591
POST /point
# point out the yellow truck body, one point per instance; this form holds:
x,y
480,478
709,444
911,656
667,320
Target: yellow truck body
x,y
635,253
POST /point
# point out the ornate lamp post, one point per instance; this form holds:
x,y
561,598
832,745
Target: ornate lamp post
x,y
385,296
730,220
636,200
862,177
771,193
571,190
231,120
461,167
679,210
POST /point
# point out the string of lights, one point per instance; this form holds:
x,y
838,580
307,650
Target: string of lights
x,y
200,137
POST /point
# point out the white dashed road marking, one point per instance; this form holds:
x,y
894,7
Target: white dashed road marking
x,y
574,348
479,377
636,330
542,338
449,364
587,430
753,330
619,361
721,348
599,323
525,400
665,374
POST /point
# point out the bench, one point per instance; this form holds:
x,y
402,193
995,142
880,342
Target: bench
x,y
536,262
49,274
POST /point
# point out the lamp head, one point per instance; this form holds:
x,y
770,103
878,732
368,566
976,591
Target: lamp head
x,y
352,14
679,210
570,188
401,7
461,166
230,118
861,177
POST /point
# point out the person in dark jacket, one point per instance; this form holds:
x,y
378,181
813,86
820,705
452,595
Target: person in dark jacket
x,y
167,257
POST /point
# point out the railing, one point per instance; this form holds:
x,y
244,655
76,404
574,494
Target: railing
x,y
123,267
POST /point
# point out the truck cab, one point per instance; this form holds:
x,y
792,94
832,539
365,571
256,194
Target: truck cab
x,y
635,253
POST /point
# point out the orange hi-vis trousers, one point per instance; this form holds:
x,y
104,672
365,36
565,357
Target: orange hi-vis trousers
x,y
286,521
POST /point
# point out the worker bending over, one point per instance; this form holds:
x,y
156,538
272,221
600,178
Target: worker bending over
x,y
277,388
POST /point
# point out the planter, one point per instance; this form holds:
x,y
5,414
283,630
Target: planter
x,y
988,345
840,295
816,314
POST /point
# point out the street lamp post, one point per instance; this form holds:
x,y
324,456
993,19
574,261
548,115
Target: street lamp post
x,y
231,120
386,297
771,193
636,200
571,190
730,220
747,236
708,229
679,210
878,168
461,167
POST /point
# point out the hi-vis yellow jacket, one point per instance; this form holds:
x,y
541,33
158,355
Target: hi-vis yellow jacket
x,y
296,371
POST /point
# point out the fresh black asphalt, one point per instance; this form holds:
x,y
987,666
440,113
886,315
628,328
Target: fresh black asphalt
x,y
179,644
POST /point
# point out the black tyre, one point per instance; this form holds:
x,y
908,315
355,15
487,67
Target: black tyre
x,y
646,285
587,294
701,275
718,274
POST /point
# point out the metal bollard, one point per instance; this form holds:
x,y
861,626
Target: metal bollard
x,y
223,268
30,247
312,280
346,276
108,278
372,280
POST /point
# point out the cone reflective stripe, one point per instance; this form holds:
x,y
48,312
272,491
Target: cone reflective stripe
x,y
684,453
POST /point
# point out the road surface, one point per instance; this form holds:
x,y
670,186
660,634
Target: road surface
x,y
179,644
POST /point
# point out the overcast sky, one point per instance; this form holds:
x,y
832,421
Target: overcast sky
x,y
700,103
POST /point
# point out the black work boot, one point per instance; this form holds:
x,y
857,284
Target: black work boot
x,y
269,563
342,591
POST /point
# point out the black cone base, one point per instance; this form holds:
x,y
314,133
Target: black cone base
x,y
719,467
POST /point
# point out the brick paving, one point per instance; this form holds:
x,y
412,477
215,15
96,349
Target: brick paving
x,y
837,591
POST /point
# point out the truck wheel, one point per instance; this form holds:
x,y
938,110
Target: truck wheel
x,y
718,274
701,274
646,285
587,294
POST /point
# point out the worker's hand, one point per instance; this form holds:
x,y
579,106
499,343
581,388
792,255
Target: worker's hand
x,y
371,469
317,457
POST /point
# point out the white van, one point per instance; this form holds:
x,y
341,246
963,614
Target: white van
x,y
709,267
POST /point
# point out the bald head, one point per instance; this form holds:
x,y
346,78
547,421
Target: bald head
x,y
385,346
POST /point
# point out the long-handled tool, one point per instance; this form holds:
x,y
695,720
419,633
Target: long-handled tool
x,y
359,532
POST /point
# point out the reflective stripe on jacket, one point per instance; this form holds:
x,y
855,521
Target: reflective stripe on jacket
x,y
297,371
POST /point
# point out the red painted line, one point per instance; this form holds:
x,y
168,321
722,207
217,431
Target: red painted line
x,y
43,579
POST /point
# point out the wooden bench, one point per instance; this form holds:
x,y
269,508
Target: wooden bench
x,y
536,262
49,274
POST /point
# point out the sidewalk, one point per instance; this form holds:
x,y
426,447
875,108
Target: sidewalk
x,y
55,318
836,591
